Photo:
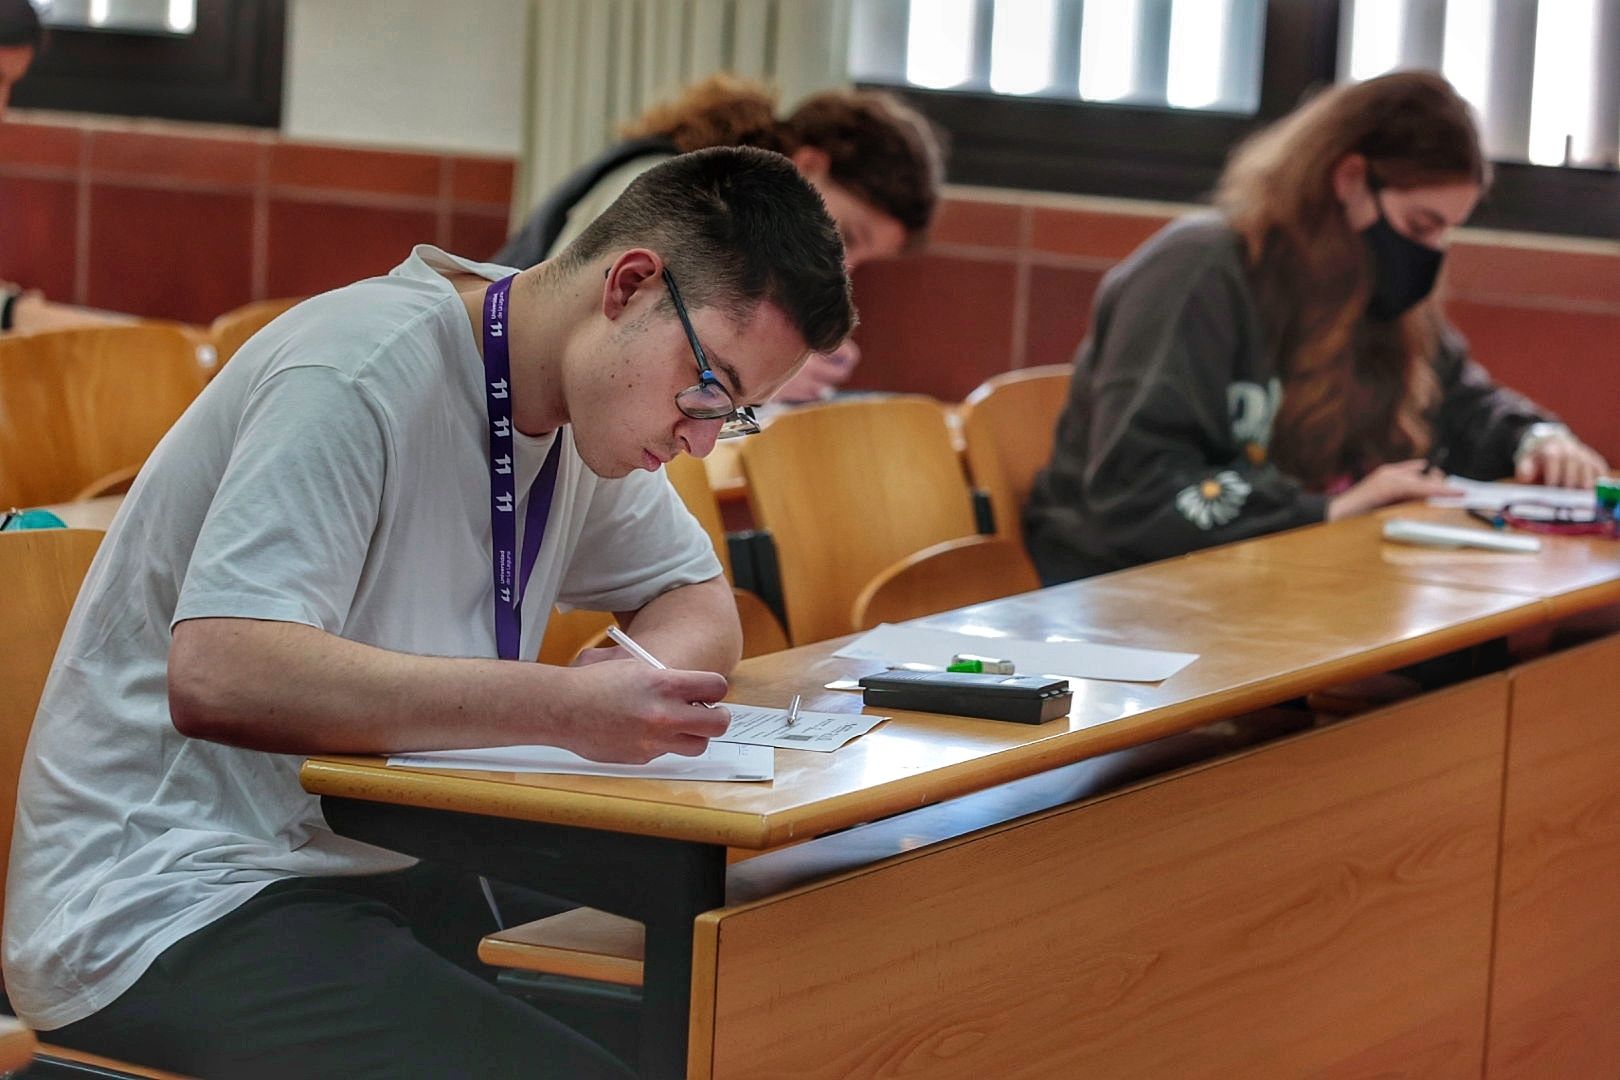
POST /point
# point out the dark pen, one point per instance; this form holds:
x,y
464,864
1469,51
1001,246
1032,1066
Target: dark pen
x,y
1434,461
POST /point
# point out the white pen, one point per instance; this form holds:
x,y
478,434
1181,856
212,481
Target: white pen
x,y
793,711
629,645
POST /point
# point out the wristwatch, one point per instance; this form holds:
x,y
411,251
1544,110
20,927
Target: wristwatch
x,y
1535,435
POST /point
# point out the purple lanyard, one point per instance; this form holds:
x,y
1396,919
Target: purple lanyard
x,y
502,486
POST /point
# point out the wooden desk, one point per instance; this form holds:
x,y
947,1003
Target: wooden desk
x,y
1572,573
655,851
17,1045
1318,906
724,468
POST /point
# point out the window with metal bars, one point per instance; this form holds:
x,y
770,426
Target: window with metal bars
x,y
1145,98
1189,54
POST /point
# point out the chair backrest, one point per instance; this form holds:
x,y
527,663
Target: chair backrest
x,y
77,405
42,569
761,632
568,633
956,573
1008,425
230,330
691,482
846,489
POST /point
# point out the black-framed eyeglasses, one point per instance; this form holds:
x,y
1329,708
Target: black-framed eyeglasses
x,y
708,399
1548,518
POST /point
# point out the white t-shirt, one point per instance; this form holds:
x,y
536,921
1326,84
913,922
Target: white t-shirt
x,y
334,474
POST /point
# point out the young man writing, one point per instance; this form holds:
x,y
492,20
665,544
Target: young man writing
x,y
341,547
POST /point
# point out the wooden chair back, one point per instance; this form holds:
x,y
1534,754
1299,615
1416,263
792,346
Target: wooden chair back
x,y
846,489
1008,425
78,405
761,632
42,569
956,573
230,330
691,482
568,633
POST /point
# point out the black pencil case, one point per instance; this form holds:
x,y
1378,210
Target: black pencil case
x,y
1022,699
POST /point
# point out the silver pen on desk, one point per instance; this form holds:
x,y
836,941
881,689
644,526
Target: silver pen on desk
x,y
793,711
629,645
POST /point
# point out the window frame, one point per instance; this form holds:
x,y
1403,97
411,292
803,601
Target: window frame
x,y
229,70
1176,155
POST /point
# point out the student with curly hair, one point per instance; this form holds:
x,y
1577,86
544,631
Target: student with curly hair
x,y
876,163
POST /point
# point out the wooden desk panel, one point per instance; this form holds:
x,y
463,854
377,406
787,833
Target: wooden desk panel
x,y
1556,998
1266,633
1320,906
1574,573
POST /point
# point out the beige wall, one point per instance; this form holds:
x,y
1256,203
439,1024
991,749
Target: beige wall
x,y
407,73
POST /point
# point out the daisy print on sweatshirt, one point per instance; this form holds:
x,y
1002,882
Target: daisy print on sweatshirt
x,y
1214,500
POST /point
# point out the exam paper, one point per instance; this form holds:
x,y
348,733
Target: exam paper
x,y
1493,496
814,731
891,644
721,761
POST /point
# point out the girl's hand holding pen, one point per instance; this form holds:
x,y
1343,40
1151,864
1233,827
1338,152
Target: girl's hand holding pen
x,y
1401,481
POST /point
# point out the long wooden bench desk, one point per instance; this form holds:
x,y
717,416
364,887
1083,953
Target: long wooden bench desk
x,y
17,1045
1572,574
1267,630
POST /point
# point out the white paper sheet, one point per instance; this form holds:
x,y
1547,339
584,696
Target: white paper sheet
x,y
1493,496
814,731
891,644
721,761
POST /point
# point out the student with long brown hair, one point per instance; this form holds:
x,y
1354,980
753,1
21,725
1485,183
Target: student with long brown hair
x,y
876,163
1278,362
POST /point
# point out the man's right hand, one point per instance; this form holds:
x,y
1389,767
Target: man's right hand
x,y
1401,481
288,688
629,712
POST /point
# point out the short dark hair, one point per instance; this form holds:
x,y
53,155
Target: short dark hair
x,y
19,24
736,226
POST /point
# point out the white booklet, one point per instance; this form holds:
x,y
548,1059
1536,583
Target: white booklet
x,y
813,730
891,644
1481,495
721,761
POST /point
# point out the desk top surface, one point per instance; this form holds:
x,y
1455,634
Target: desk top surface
x,y
1572,573
17,1044
1267,627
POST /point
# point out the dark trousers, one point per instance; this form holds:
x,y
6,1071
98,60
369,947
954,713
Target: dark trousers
x,y
347,978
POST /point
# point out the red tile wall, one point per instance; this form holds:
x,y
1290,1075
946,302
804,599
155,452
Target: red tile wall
x,y
189,221
1007,281
186,222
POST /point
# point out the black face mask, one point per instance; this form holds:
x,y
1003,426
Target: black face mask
x,y
1403,269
